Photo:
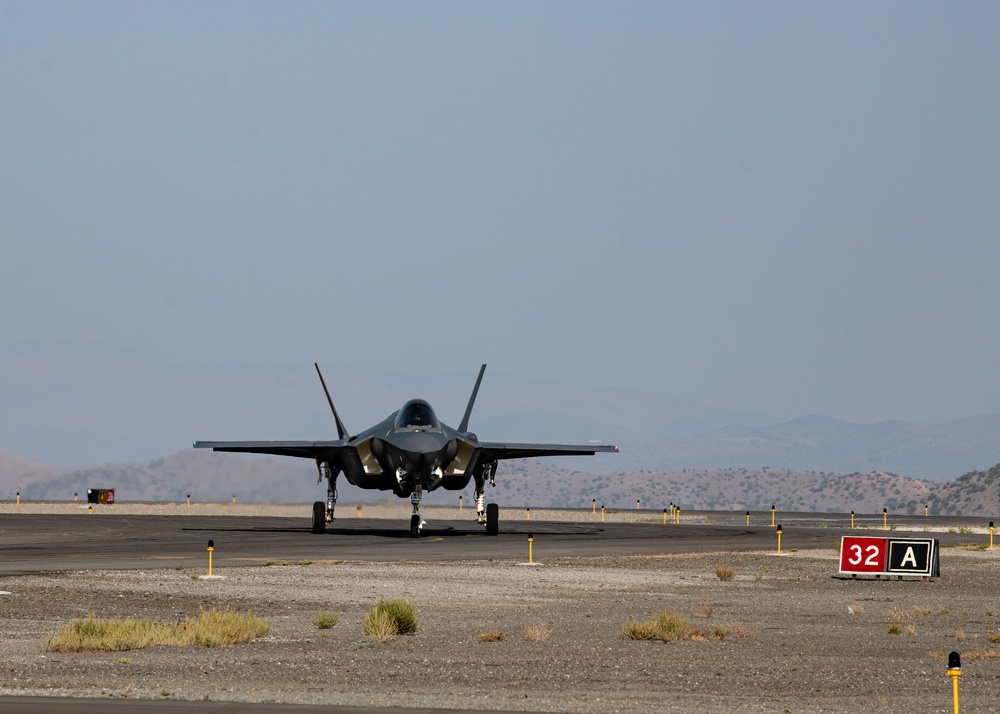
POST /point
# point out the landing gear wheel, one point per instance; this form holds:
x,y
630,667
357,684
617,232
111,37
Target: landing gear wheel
x,y
492,519
414,526
319,517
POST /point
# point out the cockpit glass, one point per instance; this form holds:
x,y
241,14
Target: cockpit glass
x,y
417,413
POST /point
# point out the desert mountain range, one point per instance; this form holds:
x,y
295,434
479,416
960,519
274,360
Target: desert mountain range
x,y
210,477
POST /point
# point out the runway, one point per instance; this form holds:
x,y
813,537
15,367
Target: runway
x,y
33,543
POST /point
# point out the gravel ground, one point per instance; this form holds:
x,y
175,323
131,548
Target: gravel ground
x,y
801,649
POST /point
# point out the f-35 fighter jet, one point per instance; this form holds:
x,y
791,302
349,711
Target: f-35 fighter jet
x,y
409,452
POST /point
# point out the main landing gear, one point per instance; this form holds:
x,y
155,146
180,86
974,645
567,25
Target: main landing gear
x,y
322,513
490,515
492,519
319,517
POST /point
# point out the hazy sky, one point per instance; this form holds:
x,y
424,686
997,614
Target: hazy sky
x,y
783,208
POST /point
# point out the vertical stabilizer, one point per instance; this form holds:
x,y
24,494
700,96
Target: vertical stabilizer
x,y
464,426
341,431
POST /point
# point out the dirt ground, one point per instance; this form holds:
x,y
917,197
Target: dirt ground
x,y
801,640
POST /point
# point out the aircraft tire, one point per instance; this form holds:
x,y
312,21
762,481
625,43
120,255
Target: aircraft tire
x,y
319,517
414,526
492,519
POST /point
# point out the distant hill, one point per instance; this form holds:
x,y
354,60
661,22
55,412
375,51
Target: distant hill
x,y
815,443
208,476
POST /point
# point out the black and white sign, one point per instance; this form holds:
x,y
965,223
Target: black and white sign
x,y
912,557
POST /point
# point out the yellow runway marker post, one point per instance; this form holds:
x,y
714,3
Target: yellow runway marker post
x,y
885,519
531,540
954,671
778,531
593,505
602,513
772,515
748,517
664,516
18,498
211,548
189,500
460,503
852,519
991,535
527,514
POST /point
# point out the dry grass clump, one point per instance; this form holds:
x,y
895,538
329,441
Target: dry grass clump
x,y
719,632
537,633
666,626
390,618
212,628
492,636
995,637
725,573
856,608
669,626
898,622
325,619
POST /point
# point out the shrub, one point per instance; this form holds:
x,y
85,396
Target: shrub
x,y
324,619
492,636
390,618
212,628
537,633
725,573
666,626
719,632
379,626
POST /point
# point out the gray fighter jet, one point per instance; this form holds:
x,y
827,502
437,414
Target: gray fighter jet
x,y
410,452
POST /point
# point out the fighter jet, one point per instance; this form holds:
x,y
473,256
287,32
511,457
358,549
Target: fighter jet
x,y
410,452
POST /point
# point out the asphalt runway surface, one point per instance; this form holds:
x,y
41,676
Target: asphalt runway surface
x,y
32,543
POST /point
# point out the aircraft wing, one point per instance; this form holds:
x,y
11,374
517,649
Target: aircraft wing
x,y
302,449
493,450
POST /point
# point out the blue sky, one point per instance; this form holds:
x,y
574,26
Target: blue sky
x,y
778,208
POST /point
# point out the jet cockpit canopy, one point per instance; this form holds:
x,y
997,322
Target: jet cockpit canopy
x,y
417,414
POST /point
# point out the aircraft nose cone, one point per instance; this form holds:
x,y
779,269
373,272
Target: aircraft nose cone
x,y
420,443
421,451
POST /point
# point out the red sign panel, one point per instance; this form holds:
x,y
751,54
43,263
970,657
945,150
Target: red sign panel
x,y
862,555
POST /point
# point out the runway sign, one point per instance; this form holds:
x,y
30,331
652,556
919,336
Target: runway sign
x,y
889,556
101,495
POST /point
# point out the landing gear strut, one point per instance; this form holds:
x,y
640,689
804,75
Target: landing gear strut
x,y
416,520
480,476
323,512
